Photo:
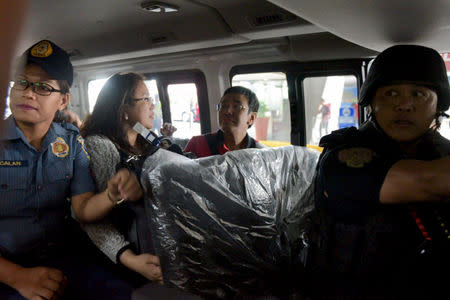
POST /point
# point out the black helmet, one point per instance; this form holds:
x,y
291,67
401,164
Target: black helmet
x,y
408,63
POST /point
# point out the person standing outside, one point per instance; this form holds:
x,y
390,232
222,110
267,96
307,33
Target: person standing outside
x,y
324,111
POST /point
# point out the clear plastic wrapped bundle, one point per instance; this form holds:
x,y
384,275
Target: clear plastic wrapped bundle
x,y
227,226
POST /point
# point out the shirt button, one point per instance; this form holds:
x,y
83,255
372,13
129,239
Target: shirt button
x,y
39,187
67,176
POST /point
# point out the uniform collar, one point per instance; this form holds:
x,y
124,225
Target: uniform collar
x,y
58,129
13,132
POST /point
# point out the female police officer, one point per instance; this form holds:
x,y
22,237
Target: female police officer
x,y
41,165
382,191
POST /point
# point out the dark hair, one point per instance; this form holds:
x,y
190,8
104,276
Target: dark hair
x,y
108,116
64,86
253,103
437,120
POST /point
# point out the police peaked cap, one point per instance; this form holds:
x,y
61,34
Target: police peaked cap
x,y
52,59
408,64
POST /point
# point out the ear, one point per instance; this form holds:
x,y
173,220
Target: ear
x,y
251,118
65,98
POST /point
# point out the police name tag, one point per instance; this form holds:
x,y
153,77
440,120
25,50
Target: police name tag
x,y
13,163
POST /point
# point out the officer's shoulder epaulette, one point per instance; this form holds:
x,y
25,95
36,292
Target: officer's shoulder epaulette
x,y
69,126
339,137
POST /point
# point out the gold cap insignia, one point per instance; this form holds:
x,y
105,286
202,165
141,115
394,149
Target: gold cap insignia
x,y
42,49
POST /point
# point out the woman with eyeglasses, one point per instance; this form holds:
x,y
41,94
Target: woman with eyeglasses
x,y
237,111
43,254
113,143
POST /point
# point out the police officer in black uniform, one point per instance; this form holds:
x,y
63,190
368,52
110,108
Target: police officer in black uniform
x,y
382,191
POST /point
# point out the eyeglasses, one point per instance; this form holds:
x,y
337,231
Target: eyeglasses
x,y
149,100
234,106
39,88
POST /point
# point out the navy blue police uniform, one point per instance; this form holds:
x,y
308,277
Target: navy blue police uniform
x,y
361,247
36,227
368,248
35,185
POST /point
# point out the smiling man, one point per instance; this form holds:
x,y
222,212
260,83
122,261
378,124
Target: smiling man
x,y
384,189
237,111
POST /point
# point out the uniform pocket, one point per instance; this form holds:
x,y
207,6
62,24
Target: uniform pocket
x,y
15,184
14,179
59,170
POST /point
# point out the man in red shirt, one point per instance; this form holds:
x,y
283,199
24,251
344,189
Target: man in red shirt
x,y
237,111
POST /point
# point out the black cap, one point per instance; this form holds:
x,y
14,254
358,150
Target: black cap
x,y
52,59
408,63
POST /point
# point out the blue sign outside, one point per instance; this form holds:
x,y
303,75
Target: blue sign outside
x,y
346,116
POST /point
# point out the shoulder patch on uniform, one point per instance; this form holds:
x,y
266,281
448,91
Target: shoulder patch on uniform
x,y
60,147
83,146
356,157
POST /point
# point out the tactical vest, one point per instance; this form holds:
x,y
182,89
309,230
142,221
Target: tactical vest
x,y
384,253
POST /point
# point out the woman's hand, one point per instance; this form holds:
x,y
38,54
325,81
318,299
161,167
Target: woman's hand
x,y
124,185
168,129
145,264
90,207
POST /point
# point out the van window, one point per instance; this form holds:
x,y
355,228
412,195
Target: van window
x,y
7,111
153,92
273,125
94,88
184,109
331,102
445,125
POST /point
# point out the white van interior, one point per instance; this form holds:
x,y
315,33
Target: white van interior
x,y
291,53
305,59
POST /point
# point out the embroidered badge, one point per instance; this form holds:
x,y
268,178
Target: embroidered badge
x,y
355,157
43,49
83,147
60,147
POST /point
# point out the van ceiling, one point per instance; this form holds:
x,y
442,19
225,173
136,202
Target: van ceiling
x,y
377,24
105,30
97,31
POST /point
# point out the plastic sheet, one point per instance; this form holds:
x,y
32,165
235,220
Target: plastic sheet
x,y
227,226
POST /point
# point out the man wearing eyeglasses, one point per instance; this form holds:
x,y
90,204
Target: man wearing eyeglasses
x,y
43,164
237,111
